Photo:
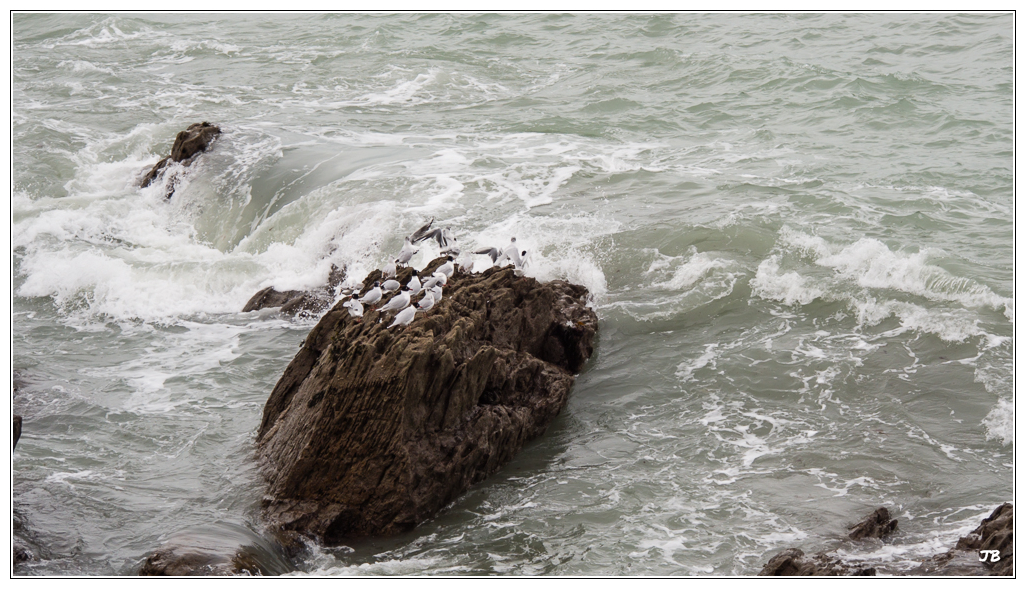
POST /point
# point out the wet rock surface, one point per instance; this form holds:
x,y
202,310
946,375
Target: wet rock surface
x,y
193,140
794,563
994,534
878,525
371,431
298,302
217,550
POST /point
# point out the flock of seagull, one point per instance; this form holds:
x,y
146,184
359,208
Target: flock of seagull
x,y
431,287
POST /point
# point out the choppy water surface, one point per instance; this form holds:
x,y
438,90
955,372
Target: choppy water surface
x,y
797,230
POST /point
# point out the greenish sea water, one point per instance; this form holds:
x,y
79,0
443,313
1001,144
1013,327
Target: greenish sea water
x,y
797,230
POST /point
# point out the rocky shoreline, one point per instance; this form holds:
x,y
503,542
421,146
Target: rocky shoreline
x,y
986,551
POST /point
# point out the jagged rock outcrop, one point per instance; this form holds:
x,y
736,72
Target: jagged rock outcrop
x,y
995,533
193,140
298,302
217,550
371,430
877,525
794,563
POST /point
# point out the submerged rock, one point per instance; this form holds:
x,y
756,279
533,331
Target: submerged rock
x,y
371,430
193,140
298,302
877,525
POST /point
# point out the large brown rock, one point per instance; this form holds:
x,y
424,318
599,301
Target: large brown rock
x,y
371,431
193,140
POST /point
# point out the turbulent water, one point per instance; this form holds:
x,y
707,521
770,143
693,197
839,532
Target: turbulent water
x,y
797,229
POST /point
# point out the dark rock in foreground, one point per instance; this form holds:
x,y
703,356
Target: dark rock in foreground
x,y
193,140
16,430
995,534
794,563
371,431
217,550
877,525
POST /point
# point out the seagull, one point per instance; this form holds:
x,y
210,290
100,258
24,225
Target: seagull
x,y
518,268
405,317
373,295
444,237
406,253
436,278
398,302
446,268
436,293
465,262
390,285
388,271
414,283
354,306
427,302
491,252
511,252
420,234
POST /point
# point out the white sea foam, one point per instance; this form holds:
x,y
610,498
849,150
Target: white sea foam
x,y
1000,422
789,287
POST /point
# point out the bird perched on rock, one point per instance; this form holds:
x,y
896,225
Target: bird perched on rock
x,y
388,271
436,292
405,317
427,302
373,295
390,285
436,278
465,263
406,253
446,268
414,283
512,253
355,307
398,302
519,264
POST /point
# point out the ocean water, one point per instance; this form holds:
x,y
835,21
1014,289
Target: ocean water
x,y
797,231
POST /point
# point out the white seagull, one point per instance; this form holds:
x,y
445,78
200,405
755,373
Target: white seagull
x,y
373,295
436,278
405,317
390,285
354,306
446,268
398,302
414,283
406,253
427,302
